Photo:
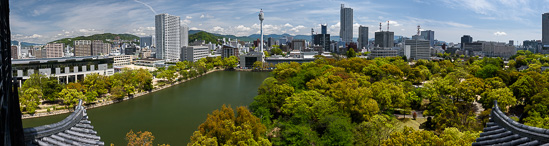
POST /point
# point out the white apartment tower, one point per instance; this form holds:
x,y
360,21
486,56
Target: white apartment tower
x,y
167,28
346,24
184,35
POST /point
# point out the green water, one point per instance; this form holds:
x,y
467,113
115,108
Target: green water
x,y
172,114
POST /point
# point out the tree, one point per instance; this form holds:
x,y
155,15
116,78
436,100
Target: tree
x,y
50,88
339,130
223,126
376,130
468,89
70,97
140,139
169,75
276,51
524,88
487,71
309,105
266,54
258,65
30,99
409,136
504,96
351,53
230,62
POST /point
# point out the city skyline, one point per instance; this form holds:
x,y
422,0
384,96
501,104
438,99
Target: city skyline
x,y
41,22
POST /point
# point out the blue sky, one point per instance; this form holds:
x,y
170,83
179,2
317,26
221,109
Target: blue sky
x,y
41,21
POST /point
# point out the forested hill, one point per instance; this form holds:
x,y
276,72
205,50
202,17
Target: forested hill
x,y
105,36
208,37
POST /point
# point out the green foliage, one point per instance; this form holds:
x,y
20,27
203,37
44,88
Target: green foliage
x,y
351,53
276,51
504,96
487,71
339,130
376,130
227,128
30,100
70,97
105,36
208,37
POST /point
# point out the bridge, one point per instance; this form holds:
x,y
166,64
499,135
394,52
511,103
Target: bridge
x,y
76,129
502,130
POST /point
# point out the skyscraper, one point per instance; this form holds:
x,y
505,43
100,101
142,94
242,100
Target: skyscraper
x,y
545,29
429,35
324,29
167,31
346,24
184,35
362,37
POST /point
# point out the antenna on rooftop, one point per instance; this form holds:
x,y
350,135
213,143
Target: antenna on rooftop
x,y
418,29
387,25
380,27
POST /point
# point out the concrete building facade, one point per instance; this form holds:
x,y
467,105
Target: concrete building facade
x,y
545,29
429,35
146,41
66,70
54,50
122,60
298,44
419,49
466,39
384,39
346,24
184,35
167,31
362,37
83,48
194,53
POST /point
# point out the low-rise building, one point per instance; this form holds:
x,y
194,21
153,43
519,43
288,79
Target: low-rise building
x,y
150,62
71,69
228,51
380,52
248,60
122,60
194,53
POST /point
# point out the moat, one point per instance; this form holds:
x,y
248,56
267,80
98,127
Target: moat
x,y
172,114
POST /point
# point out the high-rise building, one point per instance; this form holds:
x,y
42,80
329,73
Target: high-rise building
x,y
106,48
184,35
82,48
545,29
346,24
54,50
418,48
465,39
298,44
385,39
270,41
429,35
167,31
145,41
324,29
362,37
14,52
97,47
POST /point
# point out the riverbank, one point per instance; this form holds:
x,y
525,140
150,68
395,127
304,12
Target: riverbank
x,y
106,101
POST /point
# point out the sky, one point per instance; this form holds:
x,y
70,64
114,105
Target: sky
x,y
42,21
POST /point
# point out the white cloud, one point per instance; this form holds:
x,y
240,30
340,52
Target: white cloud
x,y
288,25
194,28
218,29
242,28
393,23
188,17
186,21
297,28
202,16
500,33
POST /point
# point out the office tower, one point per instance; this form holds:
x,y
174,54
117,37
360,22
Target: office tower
x,y
81,48
346,24
167,31
324,29
384,39
270,41
145,41
184,35
465,39
429,35
362,37
418,49
54,50
545,29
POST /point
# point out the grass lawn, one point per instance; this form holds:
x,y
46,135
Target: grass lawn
x,y
411,123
